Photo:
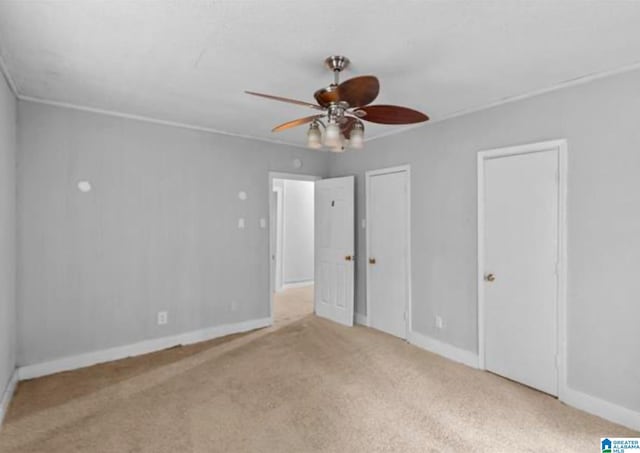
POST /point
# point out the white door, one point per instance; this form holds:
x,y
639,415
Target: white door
x,y
521,196
387,251
334,249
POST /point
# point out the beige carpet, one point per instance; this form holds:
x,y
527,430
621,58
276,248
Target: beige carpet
x,y
304,385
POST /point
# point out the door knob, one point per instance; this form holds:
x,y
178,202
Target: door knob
x,y
349,258
489,277
372,261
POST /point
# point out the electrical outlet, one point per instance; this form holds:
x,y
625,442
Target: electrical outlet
x,y
234,305
439,323
163,318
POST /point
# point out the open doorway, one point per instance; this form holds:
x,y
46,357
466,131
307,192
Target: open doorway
x,y
292,246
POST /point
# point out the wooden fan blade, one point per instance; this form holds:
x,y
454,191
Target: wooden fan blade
x,y
326,96
390,114
346,125
359,91
290,101
294,123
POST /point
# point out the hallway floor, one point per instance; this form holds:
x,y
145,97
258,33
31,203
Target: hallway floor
x,y
292,304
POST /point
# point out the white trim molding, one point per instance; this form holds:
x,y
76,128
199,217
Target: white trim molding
x,y
7,76
278,220
601,408
361,319
580,80
143,347
301,284
7,395
409,305
152,120
443,349
574,398
466,111
559,147
273,229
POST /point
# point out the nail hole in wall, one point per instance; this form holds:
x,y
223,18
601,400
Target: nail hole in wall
x,y
84,186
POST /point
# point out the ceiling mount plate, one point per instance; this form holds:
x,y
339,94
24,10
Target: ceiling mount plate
x,y
336,62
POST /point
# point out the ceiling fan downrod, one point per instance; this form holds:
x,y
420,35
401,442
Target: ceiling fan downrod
x,y
336,63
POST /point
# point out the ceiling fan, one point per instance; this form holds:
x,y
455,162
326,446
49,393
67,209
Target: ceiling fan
x,y
344,106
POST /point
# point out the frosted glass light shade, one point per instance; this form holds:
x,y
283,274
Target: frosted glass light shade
x,y
332,136
314,138
356,139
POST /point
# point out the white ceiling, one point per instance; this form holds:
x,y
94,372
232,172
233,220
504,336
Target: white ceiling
x,y
190,61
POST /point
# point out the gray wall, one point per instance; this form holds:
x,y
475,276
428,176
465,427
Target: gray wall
x,y
298,231
7,233
157,232
600,121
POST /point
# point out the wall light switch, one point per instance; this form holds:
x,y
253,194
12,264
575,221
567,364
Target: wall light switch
x,y
439,322
241,223
364,223
263,223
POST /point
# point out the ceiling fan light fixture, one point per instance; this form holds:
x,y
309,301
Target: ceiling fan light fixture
x,y
314,136
343,106
356,138
332,136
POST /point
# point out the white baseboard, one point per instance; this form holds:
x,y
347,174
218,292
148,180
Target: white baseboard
x,y
444,349
363,320
571,397
593,405
601,408
7,394
143,347
297,284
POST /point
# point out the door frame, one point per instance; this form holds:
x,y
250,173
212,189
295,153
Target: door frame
x,y
278,236
368,175
560,148
272,226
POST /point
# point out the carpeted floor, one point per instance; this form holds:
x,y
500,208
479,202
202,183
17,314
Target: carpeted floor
x,y
304,385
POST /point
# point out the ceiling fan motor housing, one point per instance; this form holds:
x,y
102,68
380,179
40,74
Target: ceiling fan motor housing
x,y
336,62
